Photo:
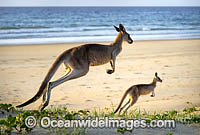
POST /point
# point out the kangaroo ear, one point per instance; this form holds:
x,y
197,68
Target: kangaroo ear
x,y
121,27
116,28
156,74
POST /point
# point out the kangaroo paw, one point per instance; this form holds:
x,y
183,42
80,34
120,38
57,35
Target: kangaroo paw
x,y
110,71
152,95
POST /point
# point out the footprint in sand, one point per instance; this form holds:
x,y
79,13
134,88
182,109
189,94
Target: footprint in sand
x,y
16,95
174,95
137,73
88,100
56,101
165,98
22,81
15,90
166,66
4,61
82,85
111,91
107,87
34,59
32,76
64,98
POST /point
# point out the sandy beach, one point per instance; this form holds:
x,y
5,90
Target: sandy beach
x,y
22,69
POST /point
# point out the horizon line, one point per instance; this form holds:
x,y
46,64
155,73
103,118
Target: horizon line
x,y
101,6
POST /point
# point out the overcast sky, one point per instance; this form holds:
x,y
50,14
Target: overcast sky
x,y
99,2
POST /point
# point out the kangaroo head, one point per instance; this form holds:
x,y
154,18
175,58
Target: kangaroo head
x,y
157,78
126,36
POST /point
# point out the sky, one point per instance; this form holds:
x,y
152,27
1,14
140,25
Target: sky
x,y
99,3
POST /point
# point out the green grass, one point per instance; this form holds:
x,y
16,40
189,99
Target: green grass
x,y
16,122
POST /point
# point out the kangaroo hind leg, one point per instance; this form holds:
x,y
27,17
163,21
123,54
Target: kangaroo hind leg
x,y
133,101
45,102
48,91
74,73
125,105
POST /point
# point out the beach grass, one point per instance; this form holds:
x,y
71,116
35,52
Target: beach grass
x,y
14,119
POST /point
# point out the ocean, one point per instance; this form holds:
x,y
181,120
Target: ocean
x,y
42,25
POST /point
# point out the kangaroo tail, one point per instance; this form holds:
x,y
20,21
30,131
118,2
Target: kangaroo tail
x,y
49,75
124,96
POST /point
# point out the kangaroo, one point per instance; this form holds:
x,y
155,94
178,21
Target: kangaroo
x,y
77,61
137,90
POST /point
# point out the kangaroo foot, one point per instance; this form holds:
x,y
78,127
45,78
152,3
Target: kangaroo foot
x,y
152,95
110,71
43,105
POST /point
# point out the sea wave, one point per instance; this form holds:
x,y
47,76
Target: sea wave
x,y
21,27
72,24
94,38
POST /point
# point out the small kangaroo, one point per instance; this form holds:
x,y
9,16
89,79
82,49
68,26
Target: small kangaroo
x,y
77,61
137,90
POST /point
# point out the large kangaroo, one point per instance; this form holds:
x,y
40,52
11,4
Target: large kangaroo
x,y
77,61
137,90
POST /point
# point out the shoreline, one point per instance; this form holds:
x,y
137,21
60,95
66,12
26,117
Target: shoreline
x,y
89,42
22,69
